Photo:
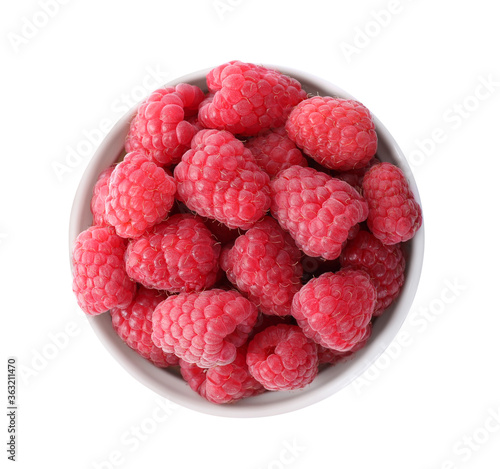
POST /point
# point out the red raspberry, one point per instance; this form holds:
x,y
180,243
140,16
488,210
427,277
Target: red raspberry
x,y
384,264
274,151
204,328
194,376
334,309
316,209
337,133
222,384
328,355
133,325
140,195
99,194
145,261
177,255
100,281
394,215
282,358
265,264
159,128
218,179
248,98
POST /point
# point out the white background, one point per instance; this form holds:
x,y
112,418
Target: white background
x,y
432,403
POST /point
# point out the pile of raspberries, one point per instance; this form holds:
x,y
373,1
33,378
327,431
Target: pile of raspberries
x,y
248,236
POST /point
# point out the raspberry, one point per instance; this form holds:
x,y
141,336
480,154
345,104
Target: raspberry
x,y
191,254
282,358
274,151
222,384
334,309
265,264
394,214
140,195
99,194
316,209
195,376
384,264
204,328
218,179
337,133
248,98
328,355
177,255
159,128
145,261
133,325
100,281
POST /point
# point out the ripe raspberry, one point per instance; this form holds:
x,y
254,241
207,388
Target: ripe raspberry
x,y
248,98
99,194
204,328
218,179
265,264
384,264
394,215
315,266
191,254
140,195
100,281
176,255
274,151
328,355
316,209
334,309
222,384
133,325
337,133
145,261
159,128
282,358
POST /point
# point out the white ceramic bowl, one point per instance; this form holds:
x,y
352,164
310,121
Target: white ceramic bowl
x,y
168,383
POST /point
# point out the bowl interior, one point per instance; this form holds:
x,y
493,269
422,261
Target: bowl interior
x,y
168,383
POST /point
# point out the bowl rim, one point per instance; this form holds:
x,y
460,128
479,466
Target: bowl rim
x,y
330,380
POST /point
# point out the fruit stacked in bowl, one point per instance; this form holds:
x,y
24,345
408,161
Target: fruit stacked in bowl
x,y
250,235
